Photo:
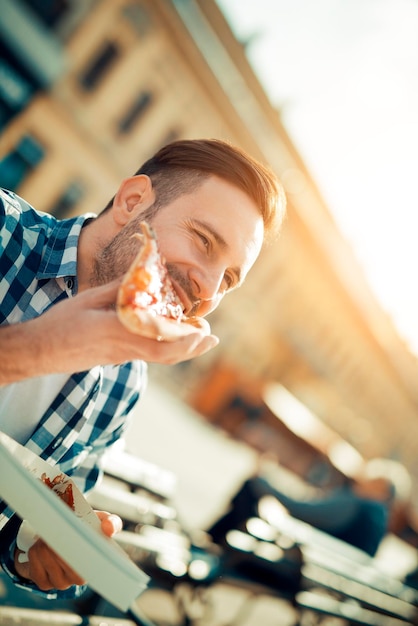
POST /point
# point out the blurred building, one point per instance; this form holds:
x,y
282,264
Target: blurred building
x,y
89,89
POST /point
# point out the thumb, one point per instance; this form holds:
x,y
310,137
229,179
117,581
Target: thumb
x,y
110,523
104,295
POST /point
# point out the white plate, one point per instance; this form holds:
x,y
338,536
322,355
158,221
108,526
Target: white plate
x,y
74,535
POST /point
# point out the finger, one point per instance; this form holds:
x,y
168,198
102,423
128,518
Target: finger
x,y
37,568
110,523
185,348
105,294
200,344
67,576
48,571
182,352
22,568
208,343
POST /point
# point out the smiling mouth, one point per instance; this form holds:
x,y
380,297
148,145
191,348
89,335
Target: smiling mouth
x,y
180,296
189,307
194,308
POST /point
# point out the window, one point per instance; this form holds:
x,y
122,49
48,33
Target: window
x,y
68,199
15,90
137,110
18,164
16,86
100,66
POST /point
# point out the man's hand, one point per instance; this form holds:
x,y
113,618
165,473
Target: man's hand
x,y
45,567
82,332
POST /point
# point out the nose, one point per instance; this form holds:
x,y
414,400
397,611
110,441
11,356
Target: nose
x,y
208,290
204,307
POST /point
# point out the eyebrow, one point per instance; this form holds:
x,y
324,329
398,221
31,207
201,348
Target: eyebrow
x,y
221,242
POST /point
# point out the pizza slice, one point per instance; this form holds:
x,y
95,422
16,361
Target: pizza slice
x,y
62,486
147,303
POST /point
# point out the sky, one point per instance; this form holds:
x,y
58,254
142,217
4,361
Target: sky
x,y
344,75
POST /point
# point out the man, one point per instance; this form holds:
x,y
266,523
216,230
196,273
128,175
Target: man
x,y
69,370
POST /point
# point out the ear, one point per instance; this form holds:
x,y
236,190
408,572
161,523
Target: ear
x,y
135,194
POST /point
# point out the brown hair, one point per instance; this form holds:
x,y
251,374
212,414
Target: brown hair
x,y
181,166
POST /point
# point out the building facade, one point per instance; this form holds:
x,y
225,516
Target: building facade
x,y
90,88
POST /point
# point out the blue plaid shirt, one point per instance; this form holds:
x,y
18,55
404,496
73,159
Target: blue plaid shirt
x,y
91,411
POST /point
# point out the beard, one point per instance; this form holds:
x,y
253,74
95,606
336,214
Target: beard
x,y
115,258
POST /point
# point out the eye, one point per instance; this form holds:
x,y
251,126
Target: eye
x,y
205,240
229,281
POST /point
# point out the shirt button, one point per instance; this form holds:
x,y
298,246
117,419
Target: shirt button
x,y
57,442
70,283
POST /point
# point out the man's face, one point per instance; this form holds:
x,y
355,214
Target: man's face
x,y
209,238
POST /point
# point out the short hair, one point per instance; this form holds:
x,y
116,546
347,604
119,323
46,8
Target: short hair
x,y
181,166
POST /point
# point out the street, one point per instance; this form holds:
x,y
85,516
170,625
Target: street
x,y
208,465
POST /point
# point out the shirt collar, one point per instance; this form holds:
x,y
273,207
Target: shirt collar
x,y
60,255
